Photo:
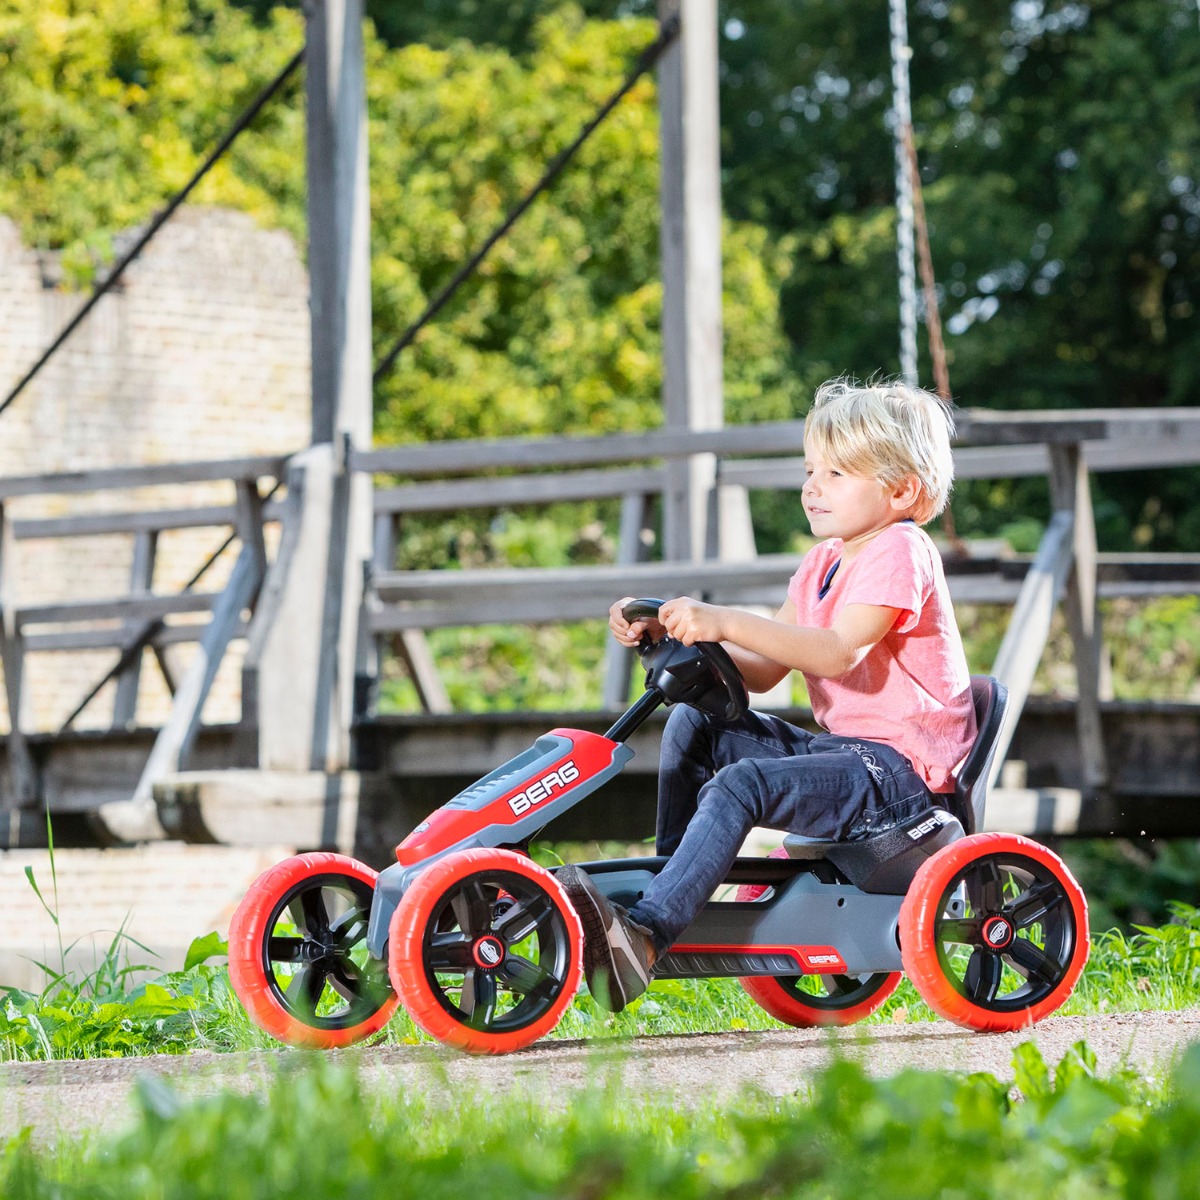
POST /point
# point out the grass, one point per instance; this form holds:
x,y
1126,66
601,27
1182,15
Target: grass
x,y
1060,1130
1057,1132
104,1014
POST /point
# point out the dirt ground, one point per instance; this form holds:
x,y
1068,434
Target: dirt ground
x,y
95,1097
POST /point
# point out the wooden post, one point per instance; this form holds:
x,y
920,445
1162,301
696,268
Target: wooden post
x,y
141,583
1069,490
1029,625
691,263
23,780
339,260
339,263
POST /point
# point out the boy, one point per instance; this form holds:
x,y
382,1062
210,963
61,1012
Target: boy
x,y
868,621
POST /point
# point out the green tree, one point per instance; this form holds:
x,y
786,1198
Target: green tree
x,y
107,109
1058,144
560,331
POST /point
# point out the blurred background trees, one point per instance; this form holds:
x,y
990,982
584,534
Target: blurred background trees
x,y
1058,144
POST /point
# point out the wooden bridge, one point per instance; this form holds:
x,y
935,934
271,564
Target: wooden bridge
x,y
310,601
308,760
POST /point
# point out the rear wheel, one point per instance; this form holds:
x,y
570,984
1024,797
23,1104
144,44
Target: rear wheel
x,y
297,953
994,932
807,1001
485,950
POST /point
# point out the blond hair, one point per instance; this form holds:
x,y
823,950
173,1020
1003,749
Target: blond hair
x,y
889,432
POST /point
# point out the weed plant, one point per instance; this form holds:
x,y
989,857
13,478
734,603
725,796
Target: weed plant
x,y
1059,1132
103,1014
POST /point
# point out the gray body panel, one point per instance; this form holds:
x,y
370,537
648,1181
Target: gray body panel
x,y
801,910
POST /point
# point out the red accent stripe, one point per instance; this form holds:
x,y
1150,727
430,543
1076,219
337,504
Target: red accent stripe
x,y
812,960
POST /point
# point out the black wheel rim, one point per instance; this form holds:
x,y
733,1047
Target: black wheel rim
x,y
832,993
315,956
496,951
1005,932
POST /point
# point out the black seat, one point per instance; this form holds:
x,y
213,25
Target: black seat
x,y
887,861
990,697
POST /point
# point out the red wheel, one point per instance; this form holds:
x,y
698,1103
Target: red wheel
x,y
485,950
297,953
994,932
807,1001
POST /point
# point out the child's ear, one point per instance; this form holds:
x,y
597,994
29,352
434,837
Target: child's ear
x,y
906,493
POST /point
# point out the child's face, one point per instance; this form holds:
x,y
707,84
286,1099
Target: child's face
x,y
839,505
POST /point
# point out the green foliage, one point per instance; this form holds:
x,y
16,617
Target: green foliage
x,y
323,1131
560,331
108,1013
108,108
107,111
1135,881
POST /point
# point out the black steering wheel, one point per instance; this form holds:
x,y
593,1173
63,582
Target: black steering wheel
x,y
702,675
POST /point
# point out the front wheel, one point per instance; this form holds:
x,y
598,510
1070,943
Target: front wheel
x,y
297,953
994,932
486,951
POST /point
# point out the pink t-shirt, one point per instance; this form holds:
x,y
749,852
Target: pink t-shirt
x,y
913,690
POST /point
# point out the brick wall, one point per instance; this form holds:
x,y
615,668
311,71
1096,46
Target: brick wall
x,y
202,352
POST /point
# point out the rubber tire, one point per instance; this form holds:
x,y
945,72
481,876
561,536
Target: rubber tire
x,y
247,970
921,911
775,998
780,1002
406,939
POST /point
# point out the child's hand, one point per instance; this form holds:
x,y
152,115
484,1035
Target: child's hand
x,y
630,633
690,621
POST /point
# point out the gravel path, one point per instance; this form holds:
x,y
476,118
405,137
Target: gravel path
x,y
70,1098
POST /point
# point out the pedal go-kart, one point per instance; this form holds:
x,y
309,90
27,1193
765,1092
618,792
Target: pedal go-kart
x,y
483,948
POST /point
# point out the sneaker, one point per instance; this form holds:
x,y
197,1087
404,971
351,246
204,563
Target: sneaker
x,y
617,952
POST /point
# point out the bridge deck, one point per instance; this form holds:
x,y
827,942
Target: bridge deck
x,y
408,765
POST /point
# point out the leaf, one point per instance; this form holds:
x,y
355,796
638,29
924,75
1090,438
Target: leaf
x,y
1079,1062
157,1099
203,948
1032,1076
38,893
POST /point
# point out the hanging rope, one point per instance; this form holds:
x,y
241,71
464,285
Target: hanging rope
x,y
912,239
110,281
933,320
910,220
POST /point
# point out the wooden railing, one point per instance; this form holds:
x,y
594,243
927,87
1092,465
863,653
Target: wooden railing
x,y
137,618
640,471
1065,446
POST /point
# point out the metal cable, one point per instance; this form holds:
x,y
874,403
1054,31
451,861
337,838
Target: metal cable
x,y
667,34
110,281
905,251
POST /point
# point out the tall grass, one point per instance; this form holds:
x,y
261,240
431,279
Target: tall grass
x,y
1058,1132
105,1013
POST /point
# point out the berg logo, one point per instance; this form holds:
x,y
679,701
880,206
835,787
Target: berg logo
x,y
544,788
488,952
937,818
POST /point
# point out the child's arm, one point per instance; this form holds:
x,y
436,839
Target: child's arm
x,y
759,672
766,648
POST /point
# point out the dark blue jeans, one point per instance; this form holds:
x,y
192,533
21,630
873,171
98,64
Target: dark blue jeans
x,y
718,780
